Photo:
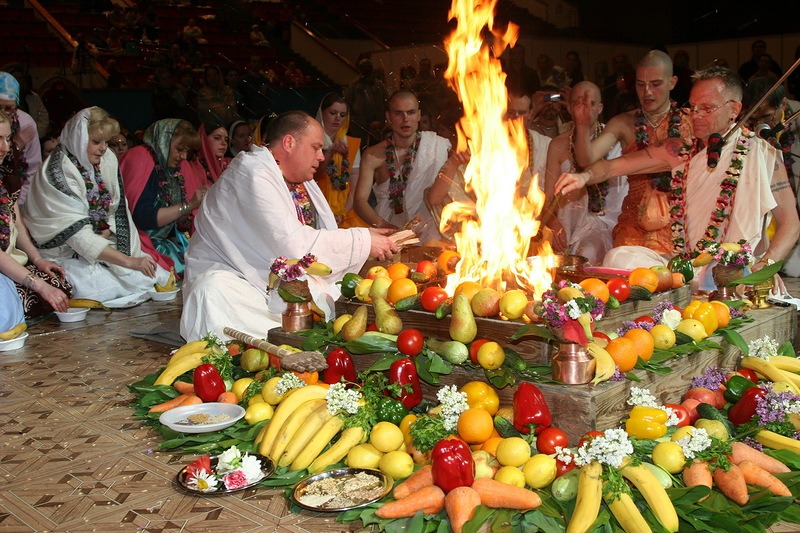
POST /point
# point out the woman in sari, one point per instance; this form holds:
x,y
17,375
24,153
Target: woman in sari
x,y
77,214
337,174
214,143
164,190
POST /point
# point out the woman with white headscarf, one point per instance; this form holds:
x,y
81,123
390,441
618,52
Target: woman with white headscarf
x,y
338,172
78,216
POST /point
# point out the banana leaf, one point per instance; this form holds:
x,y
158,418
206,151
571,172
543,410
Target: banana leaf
x,y
757,277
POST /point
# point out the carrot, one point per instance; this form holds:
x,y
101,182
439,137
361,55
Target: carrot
x,y
418,480
228,397
697,474
495,494
460,504
183,387
429,500
755,475
192,400
741,451
169,404
732,484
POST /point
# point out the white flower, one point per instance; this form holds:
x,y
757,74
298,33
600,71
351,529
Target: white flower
x,y
453,403
671,318
573,310
672,416
342,399
564,455
697,441
610,449
203,481
763,348
251,466
229,460
642,397
288,382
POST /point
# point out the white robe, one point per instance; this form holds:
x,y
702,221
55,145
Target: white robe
x,y
247,219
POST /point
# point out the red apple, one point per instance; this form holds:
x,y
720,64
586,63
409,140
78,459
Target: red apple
x,y
691,406
664,278
719,396
428,268
601,339
377,271
702,395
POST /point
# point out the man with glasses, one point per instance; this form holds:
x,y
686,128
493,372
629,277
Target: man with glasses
x,y
710,202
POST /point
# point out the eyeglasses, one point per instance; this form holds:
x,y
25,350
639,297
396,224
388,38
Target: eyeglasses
x,y
694,110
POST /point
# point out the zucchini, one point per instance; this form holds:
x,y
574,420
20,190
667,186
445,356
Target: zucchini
x,y
452,351
640,293
409,303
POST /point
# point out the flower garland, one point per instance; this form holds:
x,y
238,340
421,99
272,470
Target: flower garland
x,y
738,256
659,180
287,272
165,194
6,216
97,195
306,213
397,183
723,206
339,174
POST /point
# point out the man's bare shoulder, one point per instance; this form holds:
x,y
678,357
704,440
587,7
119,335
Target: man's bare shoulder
x,y
560,143
374,155
621,126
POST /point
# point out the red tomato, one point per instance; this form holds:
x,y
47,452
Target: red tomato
x,y
474,347
619,288
428,267
562,467
589,436
432,297
410,342
645,318
681,412
548,439
749,374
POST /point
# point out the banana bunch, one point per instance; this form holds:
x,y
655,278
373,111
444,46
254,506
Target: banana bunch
x,y
314,269
654,494
776,369
604,364
169,286
281,428
86,303
14,332
187,357
776,441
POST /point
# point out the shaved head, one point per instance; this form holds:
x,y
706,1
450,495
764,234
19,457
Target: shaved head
x,y
657,58
587,86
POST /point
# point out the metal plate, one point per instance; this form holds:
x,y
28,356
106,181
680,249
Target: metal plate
x,y
386,484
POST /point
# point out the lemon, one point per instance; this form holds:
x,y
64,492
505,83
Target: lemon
x,y
669,456
539,470
510,475
512,304
363,456
396,464
491,355
240,387
270,391
682,433
663,336
513,451
258,412
256,399
693,328
386,437
339,322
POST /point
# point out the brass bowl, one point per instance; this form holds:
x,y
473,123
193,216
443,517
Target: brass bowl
x,y
558,264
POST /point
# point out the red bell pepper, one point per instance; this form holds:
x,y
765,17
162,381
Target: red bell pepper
x,y
340,365
530,409
208,384
452,465
404,373
743,410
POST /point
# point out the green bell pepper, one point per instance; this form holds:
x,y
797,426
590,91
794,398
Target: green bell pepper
x,y
391,410
348,284
682,266
735,387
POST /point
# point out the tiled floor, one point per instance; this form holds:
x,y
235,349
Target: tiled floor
x,y
72,458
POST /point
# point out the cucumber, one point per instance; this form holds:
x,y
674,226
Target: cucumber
x,y
709,412
612,303
409,303
505,428
640,293
444,308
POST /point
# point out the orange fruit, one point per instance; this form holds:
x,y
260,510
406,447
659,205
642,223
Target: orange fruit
x,y
723,313
399,289
644,277
596,288
491,445
398,270
475,425
644,342
678,280
623,352
469,288
447,261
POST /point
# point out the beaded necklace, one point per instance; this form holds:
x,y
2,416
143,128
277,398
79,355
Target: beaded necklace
x,y
659,180
597,192
167,191
720,215
97,195
397,183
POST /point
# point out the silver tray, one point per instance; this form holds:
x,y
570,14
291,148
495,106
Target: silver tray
x,y
386,486
267,469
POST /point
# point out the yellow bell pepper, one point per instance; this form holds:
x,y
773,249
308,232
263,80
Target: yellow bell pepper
x,y
704,313
646,422
483,395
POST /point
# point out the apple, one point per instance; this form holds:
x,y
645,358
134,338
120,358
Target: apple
x,y
428,268
377,271
690,404
601,339
701,394
664,278
485,464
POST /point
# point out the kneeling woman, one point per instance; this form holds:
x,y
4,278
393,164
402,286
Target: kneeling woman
x,y
164,190
77,215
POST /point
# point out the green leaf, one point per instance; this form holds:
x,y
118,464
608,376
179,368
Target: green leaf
x,y
481,516
735,338
438,365
761,275
383,362
371,344
423,362
533,329
653,366
787,349
500,377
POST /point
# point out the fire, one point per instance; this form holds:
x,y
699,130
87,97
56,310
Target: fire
x,y
495,238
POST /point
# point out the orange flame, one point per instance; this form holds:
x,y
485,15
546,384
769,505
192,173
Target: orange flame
x,y
495,237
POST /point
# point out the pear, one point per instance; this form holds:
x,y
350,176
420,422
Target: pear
x,y
566,294
379,287
386,318
462,324
357,325
486,302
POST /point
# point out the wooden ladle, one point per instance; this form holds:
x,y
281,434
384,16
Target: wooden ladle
x,y
299,361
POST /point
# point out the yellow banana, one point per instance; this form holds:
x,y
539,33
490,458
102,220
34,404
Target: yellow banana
x,y
627,514
773,440
293,399
292,425
590,494
314,269
171,373
790,364
791,377
14,332
169,286
654,493
305,434
317,443
87,304
190,347
349,438
794,418
604,364
768,370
